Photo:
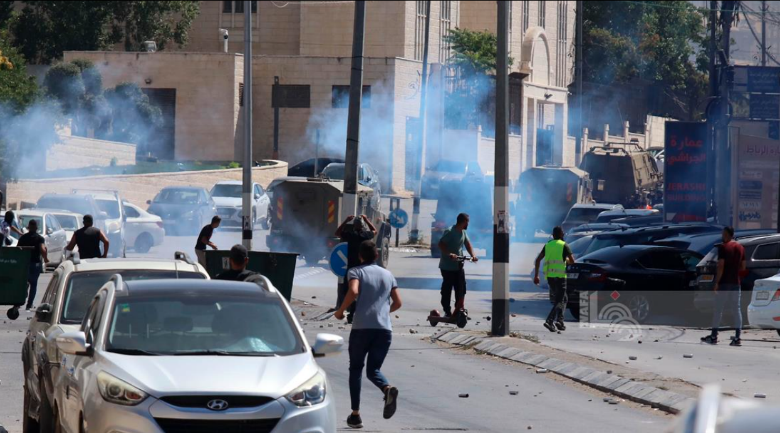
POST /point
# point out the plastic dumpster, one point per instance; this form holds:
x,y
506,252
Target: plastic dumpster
x,y
279,268
14,264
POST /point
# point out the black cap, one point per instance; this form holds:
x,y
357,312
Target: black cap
x,y
238,253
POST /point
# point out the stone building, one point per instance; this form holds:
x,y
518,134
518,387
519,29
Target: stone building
x,y
307,45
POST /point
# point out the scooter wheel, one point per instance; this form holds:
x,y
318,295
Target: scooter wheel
x,y
432,323
13,313
462,320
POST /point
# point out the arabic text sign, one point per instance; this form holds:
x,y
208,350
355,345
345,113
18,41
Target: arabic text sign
x,y
756,183
685,172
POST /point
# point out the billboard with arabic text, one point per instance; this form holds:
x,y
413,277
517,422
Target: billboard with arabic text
x,y
685,172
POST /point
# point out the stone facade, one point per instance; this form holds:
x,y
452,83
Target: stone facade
x,y
80,152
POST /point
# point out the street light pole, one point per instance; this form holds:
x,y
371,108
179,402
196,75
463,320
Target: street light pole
x,y
246,215
500,323
349,200
414,233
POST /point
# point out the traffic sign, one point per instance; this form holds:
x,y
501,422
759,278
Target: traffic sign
x,y
398,218
338,260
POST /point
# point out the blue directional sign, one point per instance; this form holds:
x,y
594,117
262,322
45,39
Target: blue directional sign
x,y
338,260
398,218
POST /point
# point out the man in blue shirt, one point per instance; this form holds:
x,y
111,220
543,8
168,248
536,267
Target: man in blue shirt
x,y
451,245
375,292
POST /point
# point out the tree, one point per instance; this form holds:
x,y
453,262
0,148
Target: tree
x,y
78,87
474,51
45,29
6,13
133,118
660,42
18,90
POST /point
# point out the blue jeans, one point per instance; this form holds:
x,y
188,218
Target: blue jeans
x,y
32,279
728,298
374,343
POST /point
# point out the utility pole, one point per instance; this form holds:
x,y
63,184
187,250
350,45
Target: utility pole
x,y
712,47
246,214
500,323
711,114
276,120
580,96
723,162
763,32
414,233
349,200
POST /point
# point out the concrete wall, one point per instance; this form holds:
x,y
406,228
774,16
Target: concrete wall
x,y
137,188
205,94
80,152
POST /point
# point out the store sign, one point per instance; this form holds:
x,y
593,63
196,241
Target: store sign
x,y
757,178
685,172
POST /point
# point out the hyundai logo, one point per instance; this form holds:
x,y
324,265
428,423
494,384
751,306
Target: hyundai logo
x,y
217,405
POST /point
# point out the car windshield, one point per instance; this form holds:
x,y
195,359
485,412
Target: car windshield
x,y
68,222
584,213
177,196
24,221
335,172
83,286
445,166
231,191
74,204
211,324
110,207
609,217
580,245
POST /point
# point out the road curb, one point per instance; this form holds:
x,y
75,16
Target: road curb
x,y
629,389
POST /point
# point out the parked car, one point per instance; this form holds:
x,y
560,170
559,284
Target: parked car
x,y
607,216
762,256
143,230
703,243
454,170
113,376
110,204
367,176
50,229
641,221
227,195
69,221
591,229
306,168
62,308
648,235
646,278
585,213
184,210
764,307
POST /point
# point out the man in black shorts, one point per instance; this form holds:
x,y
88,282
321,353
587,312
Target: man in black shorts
x,y
204,239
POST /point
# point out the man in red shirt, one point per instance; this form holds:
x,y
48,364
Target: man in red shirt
x,y
731,265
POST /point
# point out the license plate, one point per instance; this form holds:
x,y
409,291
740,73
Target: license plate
x,y
572,276
762,296
706,278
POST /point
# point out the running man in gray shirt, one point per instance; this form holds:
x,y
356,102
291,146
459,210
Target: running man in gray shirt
x,y
375,291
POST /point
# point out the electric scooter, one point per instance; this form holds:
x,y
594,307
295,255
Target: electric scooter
x,y
459,317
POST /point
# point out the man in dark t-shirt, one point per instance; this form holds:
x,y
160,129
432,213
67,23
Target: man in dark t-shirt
x,y
204,239
731,266
35,241
88,239
353,231
239,259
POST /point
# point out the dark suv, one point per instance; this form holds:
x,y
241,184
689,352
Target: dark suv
x,y
647,235
762,254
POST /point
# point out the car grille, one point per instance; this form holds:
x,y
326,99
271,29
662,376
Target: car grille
x,y
201,401
169,425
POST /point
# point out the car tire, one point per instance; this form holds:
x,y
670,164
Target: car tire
x,y
144,243
640,307
29,425
45,414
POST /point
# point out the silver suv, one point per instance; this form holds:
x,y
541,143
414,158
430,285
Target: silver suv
x,y
62,309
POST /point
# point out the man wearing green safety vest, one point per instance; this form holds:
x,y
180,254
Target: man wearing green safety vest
x,y
556,254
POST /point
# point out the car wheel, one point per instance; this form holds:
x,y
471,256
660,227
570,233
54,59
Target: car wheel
x,y
639,305
29,425
45,416
144,243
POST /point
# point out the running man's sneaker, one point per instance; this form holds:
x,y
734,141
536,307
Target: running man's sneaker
x,y
709,339
391,397
736,342
560,325
550,327
354,421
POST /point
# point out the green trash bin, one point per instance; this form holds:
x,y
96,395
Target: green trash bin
x,y
14,264
279,268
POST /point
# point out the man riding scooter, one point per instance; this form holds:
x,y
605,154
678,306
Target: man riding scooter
x,y
451,245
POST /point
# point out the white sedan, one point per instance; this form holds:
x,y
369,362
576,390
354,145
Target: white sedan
x,y
764,308
50,229
227,196
142,229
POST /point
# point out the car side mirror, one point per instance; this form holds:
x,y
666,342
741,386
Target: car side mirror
x,y
257,196
49,230
326,345
73,343
148,202
43,313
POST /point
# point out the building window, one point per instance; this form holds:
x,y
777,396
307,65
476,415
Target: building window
x,y
541,14
445,24
419,31
240,94
526,16
227,7
340,97
239,7
563,35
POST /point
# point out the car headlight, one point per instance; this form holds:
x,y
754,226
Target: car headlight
x,y
310,393
118,391
113,226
